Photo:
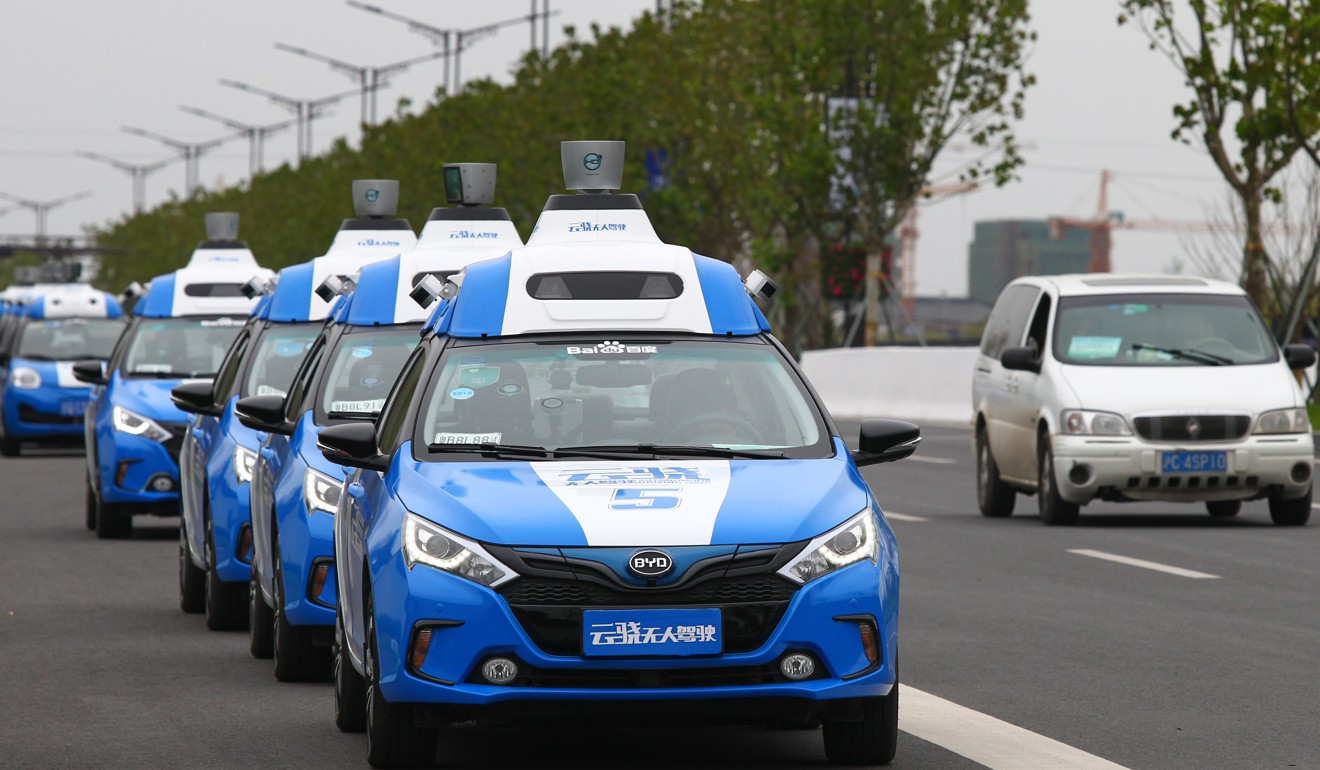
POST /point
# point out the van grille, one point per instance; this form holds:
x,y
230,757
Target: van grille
x,y
1198,427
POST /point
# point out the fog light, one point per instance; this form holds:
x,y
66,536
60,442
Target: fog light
x,y
797,666
319,573
121,471
162,484
870,641
1301,472
499,670
1079,474
421,645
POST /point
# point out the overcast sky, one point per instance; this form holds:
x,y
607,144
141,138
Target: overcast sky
x,y
75,71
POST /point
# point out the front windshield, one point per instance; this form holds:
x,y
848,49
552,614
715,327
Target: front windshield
x,y
729,394
179,347
1161,330
279,352
362,369
70,339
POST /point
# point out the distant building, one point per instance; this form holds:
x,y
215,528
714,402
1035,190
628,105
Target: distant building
x,y
1009,248
951,319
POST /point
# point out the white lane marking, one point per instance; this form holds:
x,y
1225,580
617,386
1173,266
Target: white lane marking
x,y
1152,565
904,517
984,739
933,460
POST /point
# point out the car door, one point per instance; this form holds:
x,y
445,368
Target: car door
x,y
994,387
1022,404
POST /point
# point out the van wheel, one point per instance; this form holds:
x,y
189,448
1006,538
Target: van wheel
x,y
1054,510
1222,509
995,498
873,740
1291,513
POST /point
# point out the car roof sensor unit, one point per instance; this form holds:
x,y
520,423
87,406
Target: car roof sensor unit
x,y
592,169
469,184
221,226
222,248
592,166
376,198
335,286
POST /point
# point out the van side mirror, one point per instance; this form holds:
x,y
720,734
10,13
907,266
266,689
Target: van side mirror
x,y
90,372
884,441
1299,356
353,444
1020,360
264,413
196,398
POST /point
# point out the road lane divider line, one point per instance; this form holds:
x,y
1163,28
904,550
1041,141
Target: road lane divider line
x,y
1142,563
984,739
933,460
904,516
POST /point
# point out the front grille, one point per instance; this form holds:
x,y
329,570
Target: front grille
x,y
27,414
1200,427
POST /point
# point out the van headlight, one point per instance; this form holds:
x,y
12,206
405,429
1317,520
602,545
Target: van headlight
x,y
852,541
245,461
135,424
1081,422
321,492
25,378
1284,421
425,543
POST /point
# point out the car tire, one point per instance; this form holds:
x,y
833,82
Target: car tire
x,y
113,522
192,581
1291,513
393,737
1054,510
226,603
10,447
1223,509
872,740
90,513
995,498
350,687
261,621
297,658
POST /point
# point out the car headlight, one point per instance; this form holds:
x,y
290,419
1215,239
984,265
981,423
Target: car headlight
x,y
852,541
245,461
1284,421
425,543
1080,422
25,378
137,425
321,492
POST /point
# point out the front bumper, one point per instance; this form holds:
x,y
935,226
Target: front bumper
x,y
231,515
306,543
471,623
131,467
1128,468
45,413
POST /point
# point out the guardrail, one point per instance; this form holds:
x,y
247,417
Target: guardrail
x,y
925,385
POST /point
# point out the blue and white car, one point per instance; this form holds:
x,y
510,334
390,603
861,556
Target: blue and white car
x,y
180,330
219,453
601,488
345,377
43,337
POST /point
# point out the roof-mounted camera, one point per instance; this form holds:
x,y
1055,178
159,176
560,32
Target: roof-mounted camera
x,y
430,288
334,286
257,286
469,184
760,286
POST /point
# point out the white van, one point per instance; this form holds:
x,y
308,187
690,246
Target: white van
x,y
1126,387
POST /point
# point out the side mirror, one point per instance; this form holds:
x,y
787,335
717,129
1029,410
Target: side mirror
x,y
264,413
352,444
1299,356
1021,360
196,398
90,372
884,441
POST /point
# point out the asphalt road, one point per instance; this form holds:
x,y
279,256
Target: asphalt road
x,y
99,668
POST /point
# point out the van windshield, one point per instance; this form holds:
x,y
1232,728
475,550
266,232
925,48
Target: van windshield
x,y
1161,330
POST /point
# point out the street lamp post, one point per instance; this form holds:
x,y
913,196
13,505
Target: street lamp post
x,y
191,152
137,171
256,134
42,208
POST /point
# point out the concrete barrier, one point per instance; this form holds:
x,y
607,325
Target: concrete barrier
x,y
925,385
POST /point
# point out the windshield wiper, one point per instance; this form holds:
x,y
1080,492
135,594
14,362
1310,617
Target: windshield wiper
x,y
656,450
491,449
1191,354
352,415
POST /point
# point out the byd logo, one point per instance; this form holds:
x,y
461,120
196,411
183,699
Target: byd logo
x,y
650,563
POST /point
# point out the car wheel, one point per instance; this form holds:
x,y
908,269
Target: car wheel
x,y
350,687
113,522
226,603
297,659
995,498
10,447
90,513
1291,513
1054,510
192,581
393,738
261,621
872,740
1223,508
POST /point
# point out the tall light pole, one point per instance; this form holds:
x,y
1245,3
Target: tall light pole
x,y
454,42
306,110
138,171
370,79
191,152
256,134
42,208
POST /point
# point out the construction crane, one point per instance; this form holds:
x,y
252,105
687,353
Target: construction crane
x,y
907,242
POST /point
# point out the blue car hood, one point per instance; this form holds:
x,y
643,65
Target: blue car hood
x,y
147,397
642,503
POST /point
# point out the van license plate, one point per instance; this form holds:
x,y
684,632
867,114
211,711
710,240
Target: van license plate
x,y
1194,462
652,632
